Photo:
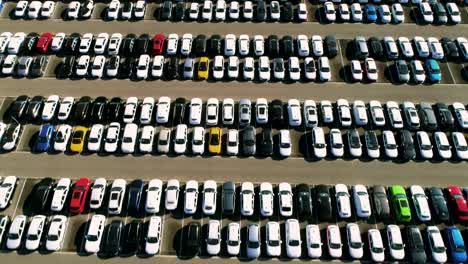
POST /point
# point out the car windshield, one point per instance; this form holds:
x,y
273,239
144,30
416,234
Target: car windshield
x,y
355,244
92,238
214,139
397,246
335,245
211,241
180,141
377,249
52,237
202,66
162,142
253,244
32,237
127,140
152,239
232,242
294,243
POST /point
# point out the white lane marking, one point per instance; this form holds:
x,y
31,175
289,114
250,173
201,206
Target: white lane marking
x,y
19,197
450,71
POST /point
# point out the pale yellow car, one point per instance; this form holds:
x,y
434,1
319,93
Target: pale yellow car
x,y
203,68
78,139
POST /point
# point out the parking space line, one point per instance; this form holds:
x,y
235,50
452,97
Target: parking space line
x,y
450,71
389,69
342,62
19,197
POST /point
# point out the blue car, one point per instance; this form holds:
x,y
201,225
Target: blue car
x,y
370,13
456,245
43,141
433,70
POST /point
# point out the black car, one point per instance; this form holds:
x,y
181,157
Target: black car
x,y
214,45
98,110
248,141
179,110
427,116
324,205
287,12
229,198
29,44
40,196
304,200
113,64
381,204
192,239
276,113
439,204
444,116
261,11
71,44
38,66
34,108
331,47
133,234
113,238
272,46
135,191
375,48
179,12
450,48
287,46
172,70
440,15
199,45
371,140
126,68
142,44
415,246
82,110
65,69
18,108
166,10
114,110
128,45
266,142
86,9
406,147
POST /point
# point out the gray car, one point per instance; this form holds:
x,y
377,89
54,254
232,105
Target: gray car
x,y
402,71
248,141
24,66
245,111
415,245
229,198
427,116
360,48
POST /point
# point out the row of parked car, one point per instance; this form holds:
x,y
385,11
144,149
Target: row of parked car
x,y
227,112
427,13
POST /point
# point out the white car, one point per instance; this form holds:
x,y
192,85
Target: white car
x,y
113,10
324,69
218,67
180,140
247,199
129,113
230,45
10,144
95,137
294,68
172,43
343,10
191,197
157,66
57,41
16,231
329,11
317,45
186,44
273,239
162,114
253,241
384,13
344,112
376,245
5,38
425,145
248,70
397,13
195,111
405,47
355,244
116,196
146,113
207,10
259,45
335,247
213,240
193,11
97,193
244,45
233,239
33,9
285,143
343,202
85,43
232,143
60,194
395,242
294,112
233,67
146,139
336,143
94,235
356,70
461,42
35,231
327,111
301,12
361,201
436,244
142,67
285,199
377,114
73,9
153,196
126,10
209,197
293,238
310,71
97,68
61,137
264,71
6,190
421,47
360,113
139,9
164,140
16,42
421,203
318,143
50,107
100,44
394,114
47,9
112,137
153,235
82,66
172,194
129,138
220,10
56,232
228,111
356,12
435,47
261,111
370,69
20,8
460,145
310,113
411,116
234,10
266,199
389,144
314,241
442,145
461,113
9,64
426,12
453,12
212,111
417,71
248,10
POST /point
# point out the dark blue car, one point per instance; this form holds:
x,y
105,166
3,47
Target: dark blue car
x,y
456,245
370,13
135,191
43,141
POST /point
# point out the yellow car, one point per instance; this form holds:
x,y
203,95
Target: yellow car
x,y
214,146
203,68
78,139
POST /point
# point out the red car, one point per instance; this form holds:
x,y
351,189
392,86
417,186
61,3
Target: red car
x,y
79,195
158,44
44,42
458,202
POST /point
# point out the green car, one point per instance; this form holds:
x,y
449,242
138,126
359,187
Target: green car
x,y
400,203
